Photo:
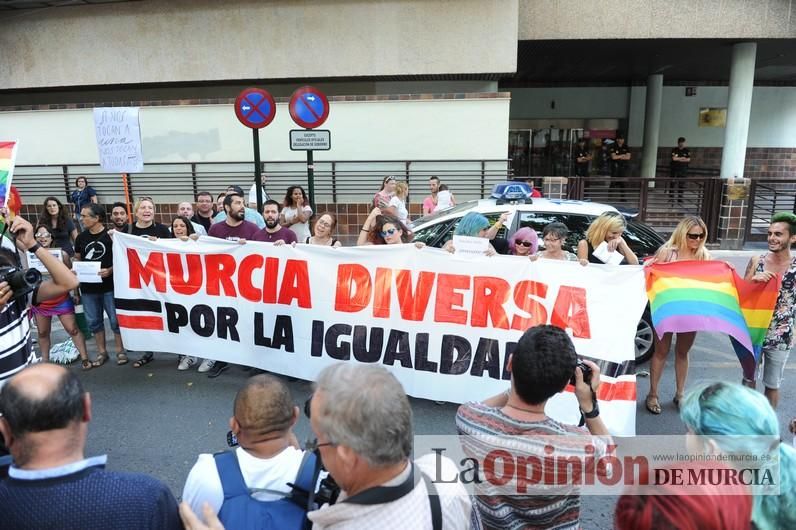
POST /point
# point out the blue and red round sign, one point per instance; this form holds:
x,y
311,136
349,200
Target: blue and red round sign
x,y
309,107
255,108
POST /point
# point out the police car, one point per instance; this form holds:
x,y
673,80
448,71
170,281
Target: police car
x,y
435,229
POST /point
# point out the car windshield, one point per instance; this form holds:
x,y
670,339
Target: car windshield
x,y
641,239
463,207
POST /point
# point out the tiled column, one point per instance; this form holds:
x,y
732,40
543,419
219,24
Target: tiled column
x,y
732,217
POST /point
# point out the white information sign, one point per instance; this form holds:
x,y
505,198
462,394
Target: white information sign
x,y
314,140
119,139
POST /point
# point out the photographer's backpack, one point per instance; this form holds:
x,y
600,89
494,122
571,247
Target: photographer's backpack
x,y
242,511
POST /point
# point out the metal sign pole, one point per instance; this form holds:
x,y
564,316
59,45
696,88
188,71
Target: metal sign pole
x,y
311,177
258,179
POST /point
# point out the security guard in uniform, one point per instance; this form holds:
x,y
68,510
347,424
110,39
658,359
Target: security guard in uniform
x,y
620,162
681,156
582,158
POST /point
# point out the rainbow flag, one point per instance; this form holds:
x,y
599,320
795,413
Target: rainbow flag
x,y
8,154
710,296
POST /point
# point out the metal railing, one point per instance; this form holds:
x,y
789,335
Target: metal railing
x,y
337,181
767,197
659,202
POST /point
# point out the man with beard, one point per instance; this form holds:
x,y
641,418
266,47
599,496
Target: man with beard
x,y
273,231
185,209
119,216
780,338
234,227
204,210
249,214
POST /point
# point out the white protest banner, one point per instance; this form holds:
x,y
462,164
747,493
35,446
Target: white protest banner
x,y
444,327
119,139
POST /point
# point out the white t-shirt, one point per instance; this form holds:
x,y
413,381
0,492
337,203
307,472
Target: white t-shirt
x,y
443,200
400,207
204,485
302,230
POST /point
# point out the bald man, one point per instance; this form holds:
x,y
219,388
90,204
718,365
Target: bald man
x,y
185,209
51,483
269,455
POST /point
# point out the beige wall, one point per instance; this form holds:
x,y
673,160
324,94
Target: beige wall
x,y
655,19
155,41
435,129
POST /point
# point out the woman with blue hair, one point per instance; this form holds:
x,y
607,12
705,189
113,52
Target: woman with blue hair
x,y
738,420
475,225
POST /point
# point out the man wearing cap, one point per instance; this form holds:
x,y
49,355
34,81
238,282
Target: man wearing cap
x,y
249,214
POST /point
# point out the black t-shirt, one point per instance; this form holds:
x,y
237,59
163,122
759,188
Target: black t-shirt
x,y
61,236
680,152
581,168
204,221
617,149
154,230
96,247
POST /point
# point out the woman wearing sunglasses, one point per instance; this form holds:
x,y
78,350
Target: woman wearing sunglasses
x,y
383,229
386,193
686,243
61,307
524,242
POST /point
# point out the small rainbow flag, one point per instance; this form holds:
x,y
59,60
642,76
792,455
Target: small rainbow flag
x,y
8,154
710,296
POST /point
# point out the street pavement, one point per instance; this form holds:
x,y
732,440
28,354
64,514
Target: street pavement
x,y
156,419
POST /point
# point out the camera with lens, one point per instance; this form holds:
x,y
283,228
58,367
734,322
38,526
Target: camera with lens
x,y
328,489
586,373
21,282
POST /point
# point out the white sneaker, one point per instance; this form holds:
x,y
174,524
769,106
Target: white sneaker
x,y
186,362
206,365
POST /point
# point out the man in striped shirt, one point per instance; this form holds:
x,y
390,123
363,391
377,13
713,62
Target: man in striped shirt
x,y
15,346
542,364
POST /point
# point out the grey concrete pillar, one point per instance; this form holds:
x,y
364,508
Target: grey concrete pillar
x,y
739,107
652,125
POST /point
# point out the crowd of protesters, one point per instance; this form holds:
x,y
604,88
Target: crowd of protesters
x,y
360,414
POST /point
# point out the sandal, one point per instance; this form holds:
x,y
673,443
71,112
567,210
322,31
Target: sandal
x,y
101,358
121,358
87,365
677,399
652,404
147,358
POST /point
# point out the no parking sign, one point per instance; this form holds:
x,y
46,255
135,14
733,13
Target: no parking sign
x,y
255,108
309,107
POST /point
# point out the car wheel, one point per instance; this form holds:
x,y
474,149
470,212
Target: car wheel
x,y
645,338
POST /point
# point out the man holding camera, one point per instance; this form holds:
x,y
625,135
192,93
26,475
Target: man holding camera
x,y
542,365
15,301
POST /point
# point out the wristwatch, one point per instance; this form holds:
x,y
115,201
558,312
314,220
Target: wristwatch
x,y
595,411
36,246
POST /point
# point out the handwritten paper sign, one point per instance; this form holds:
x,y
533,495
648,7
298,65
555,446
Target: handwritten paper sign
x,y
119,139
470,246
